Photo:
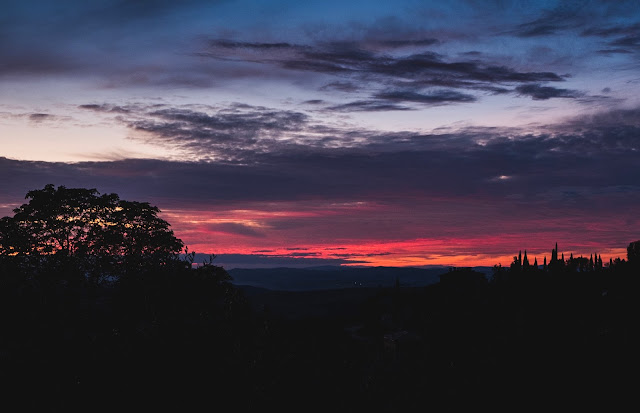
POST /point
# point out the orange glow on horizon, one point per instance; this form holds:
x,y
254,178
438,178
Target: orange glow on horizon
x,y
308,233
413,253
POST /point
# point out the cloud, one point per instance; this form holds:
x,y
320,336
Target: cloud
x,y
368,106
438,97
613,51
223,133
363,64
229,44
116,45
247,134
398,100
597,152
230,261
551,22
538,92
235,229
578,16
565,177
303,254
602,121
627,41
622,38
106,108
341,86
105,43
39,117
122,45
232,155
537,28
422,66
401,43
612,31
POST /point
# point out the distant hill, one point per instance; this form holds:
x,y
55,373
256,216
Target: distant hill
x,y
336,277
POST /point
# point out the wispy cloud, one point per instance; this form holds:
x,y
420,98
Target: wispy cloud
x,y
235,229
437,97
538,92
269,155
365,65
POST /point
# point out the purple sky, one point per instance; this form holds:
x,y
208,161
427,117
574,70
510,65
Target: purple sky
x,y
362,132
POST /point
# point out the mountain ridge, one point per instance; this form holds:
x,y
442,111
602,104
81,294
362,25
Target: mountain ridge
x,y
336,277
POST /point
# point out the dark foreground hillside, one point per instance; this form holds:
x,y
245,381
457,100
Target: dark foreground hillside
x,y
190,340
98,312
334,278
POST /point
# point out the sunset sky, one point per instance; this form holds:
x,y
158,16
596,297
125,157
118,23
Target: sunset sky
x,y
293,133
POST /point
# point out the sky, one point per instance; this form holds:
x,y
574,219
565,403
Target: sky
x,y
288,133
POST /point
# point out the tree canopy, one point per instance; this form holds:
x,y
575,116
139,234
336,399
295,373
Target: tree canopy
x,y
82,222
633,252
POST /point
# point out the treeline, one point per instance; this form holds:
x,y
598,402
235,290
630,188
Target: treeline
x,y
183,336
577,264
86,325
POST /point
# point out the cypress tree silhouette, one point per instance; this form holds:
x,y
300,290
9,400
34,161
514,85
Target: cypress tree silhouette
x,y
520,258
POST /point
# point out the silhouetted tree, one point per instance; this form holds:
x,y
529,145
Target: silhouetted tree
x,y
516,265
56,220
499,274
633,252
12,239
81,223
572,263
520,258
556,264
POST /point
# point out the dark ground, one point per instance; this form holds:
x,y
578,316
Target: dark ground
x,y
194,343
